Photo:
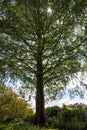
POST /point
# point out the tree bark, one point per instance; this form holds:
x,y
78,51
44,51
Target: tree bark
x,y
40,116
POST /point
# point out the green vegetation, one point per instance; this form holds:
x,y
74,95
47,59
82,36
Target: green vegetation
x,y
42,44
16,114
56,119
70,119
11,106
21,126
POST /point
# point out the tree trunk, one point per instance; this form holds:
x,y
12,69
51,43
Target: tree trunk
x,y
40,116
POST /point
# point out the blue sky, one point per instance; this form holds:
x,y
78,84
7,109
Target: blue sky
x,y
66,99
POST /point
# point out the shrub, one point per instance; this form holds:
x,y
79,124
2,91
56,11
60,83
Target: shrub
x,y
11,106
70,119
30,119
52,111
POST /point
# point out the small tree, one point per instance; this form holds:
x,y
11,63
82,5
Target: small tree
x,y
11,106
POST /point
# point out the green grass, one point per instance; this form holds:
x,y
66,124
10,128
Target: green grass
x,y
20,126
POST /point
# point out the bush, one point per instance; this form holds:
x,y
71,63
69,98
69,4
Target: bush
x,y
70,119
30,119
52,111
11,106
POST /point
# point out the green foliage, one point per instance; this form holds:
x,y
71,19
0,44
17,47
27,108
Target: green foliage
x,y
65,119
52,111
30,119
70,119
11,106
65,107
21,126
29,33
42,49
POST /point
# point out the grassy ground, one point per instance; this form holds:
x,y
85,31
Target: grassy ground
x,y
17,126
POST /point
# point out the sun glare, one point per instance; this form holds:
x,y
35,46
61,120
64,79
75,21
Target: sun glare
x,y
49,10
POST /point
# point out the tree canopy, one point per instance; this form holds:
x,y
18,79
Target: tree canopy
x,y
42,43
11,106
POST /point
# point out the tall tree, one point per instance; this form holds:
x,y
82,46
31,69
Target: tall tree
x,y
42,44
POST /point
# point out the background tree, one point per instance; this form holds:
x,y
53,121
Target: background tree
x,y
42,43
11,106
